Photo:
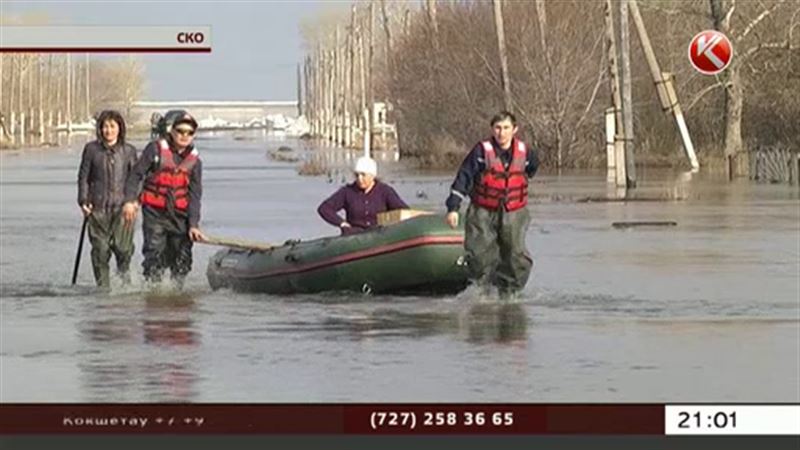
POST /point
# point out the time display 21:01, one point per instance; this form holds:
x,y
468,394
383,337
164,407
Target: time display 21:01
x,y
720,420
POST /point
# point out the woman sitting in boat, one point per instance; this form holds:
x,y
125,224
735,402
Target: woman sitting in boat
x,y
361,200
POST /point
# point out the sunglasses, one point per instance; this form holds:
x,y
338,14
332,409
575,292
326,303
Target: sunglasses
x,y
184,131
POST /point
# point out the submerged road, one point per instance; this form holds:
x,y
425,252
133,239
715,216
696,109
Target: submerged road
x,y
705,310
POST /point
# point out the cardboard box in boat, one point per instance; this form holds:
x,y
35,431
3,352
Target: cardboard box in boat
x,y
398,215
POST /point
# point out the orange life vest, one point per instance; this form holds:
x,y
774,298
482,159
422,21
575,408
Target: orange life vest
x,y
499,186
169,184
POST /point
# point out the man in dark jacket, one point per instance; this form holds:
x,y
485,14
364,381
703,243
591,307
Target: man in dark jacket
x,y
170,198
495,177
105,165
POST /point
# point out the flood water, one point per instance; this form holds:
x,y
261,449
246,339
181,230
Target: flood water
x,y
707,310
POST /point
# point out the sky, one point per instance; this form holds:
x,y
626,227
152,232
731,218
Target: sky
x,y
255,45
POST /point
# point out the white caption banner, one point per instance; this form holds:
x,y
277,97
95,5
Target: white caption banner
x,y
188,37
732,419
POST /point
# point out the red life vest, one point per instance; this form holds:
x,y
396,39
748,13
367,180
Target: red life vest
x,y
499,186
169,184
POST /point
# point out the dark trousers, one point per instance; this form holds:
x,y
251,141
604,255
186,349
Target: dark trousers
x,y
166,244
109,234
495,246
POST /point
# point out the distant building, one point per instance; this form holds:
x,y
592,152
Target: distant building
x,y
219,110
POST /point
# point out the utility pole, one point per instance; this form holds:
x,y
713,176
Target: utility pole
x,y
618,160
501,45
627,99
664,86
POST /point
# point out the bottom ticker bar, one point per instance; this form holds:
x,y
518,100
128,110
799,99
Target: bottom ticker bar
x,y
348,419
399,419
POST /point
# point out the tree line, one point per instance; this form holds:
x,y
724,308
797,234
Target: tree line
x,y
440,67
39,92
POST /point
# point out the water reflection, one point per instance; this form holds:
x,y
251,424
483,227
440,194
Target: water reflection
x,y
495,322
143,352
477,323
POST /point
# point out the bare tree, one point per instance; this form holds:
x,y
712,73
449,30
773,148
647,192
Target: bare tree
x,y
722,15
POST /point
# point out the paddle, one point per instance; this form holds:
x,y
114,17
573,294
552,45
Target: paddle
x,y
238,243
80,250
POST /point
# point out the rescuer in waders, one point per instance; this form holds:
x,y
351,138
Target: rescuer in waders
x,y
105,165
494,175
170,198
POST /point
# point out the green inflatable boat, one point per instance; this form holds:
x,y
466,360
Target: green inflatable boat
x,y
417,256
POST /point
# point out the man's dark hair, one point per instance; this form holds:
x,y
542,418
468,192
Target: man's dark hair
x,y
503,115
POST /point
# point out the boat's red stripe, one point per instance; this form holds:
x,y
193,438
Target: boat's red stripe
x,y
349,257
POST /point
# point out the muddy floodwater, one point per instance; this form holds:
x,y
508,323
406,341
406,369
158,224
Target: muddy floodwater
x,y
707,310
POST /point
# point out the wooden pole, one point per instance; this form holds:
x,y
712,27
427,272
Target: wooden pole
x,y
238,243
346,89
299,79
330,94
338,89
20,86
29,105
616,97
58,104
315,64
610,138
351,85
336,85
371,74
22,128
390,68
318,71
664,86
88,110
627,98
362,75
367,143
501,45
41,100
69,93
307,87
304,91
50,87
2,84
319,96
13,76
323,93
3,111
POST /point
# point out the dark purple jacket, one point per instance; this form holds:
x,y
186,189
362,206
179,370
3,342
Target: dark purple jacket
x,y
361,209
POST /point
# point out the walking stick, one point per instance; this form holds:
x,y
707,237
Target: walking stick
x,y
80,250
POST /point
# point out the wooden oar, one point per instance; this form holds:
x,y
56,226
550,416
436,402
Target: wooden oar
x,y
238,243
